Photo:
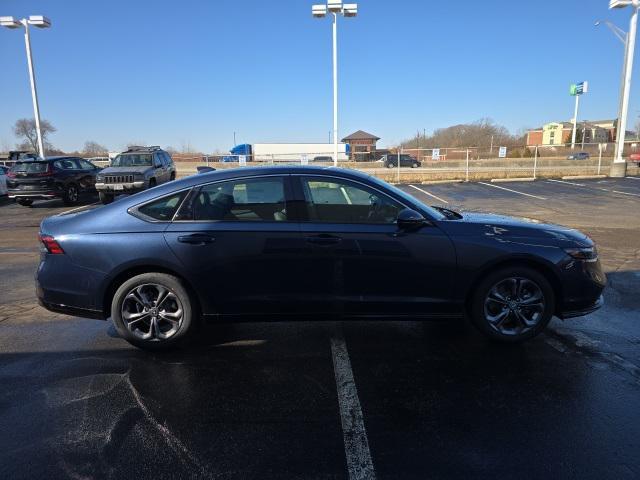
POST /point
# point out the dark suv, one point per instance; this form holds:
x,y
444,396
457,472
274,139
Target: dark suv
x,y
135,170
391,161
53,177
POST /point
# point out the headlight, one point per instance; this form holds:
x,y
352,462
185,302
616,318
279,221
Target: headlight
x,y
99,178
586,254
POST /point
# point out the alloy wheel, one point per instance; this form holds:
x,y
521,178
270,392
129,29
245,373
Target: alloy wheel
x,y
72,194
514,306
152,312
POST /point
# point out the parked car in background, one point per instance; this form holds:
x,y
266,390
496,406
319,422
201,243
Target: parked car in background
x,y
321,242
323,158
579,156
391,161
137,169
68,178
635,157
3,180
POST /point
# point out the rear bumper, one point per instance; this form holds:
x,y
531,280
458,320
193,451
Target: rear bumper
x,y
33,194
70,310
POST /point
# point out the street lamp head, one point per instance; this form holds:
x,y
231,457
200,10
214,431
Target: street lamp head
x,y
334,6
319,11
619,3
597,24
9,22
350,9
39,21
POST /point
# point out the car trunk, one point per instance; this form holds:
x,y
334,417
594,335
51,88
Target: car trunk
x,y
33,175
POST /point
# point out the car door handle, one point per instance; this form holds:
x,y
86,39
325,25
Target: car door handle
x,y
197,239
324,240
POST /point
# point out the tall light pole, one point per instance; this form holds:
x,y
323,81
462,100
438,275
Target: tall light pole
x,y
40,22
577,90
335,7
619,165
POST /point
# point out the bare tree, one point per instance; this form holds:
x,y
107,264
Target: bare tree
x,y
25,129
94,148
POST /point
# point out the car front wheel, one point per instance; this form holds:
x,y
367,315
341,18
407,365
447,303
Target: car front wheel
x,y
25,202
105,198
71,195
154,311
513,304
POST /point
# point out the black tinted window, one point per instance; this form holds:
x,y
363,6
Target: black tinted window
x,y
30,167
258,199
85,165
163,208
338,201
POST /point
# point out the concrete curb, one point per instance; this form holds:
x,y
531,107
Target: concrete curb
x,y
582,177
514,179
436,182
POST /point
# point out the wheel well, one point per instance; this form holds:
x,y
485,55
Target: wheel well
x,y
139,270
541,268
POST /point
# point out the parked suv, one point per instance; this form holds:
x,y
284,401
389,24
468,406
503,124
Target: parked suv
x,y
579,156
53,177
391,161
135,170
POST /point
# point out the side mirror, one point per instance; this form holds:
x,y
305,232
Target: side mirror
x,y
410,220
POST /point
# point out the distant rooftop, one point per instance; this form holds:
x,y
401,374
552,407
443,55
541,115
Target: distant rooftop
x,y
360,135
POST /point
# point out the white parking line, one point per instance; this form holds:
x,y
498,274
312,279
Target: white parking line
x,y
430,194
633,178
596,188
567,183
512,191
356,444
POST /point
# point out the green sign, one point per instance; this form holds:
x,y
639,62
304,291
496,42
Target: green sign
x,y
573,90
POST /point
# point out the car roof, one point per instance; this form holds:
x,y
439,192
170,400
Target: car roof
x,y
45,159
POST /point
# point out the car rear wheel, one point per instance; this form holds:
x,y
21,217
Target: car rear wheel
x,y
390,165
25,202
154,311
71,194
513,304
105,198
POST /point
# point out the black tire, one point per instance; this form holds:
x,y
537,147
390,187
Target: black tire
x,y
71,195
414,165
390,165
137,328
532,284
105,198
152,182
172,177
25,202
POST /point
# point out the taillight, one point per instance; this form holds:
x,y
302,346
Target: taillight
x,y
11,174
52,246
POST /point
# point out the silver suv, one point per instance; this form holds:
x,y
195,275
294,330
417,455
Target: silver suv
x,y
135,170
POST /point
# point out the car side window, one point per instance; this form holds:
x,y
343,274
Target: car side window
x,y
247,200
66,164
167,159
85,165
164,208
330,200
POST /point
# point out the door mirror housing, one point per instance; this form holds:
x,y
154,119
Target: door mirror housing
x,y
411,220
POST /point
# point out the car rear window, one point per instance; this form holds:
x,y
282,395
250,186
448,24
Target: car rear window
x,y
30,167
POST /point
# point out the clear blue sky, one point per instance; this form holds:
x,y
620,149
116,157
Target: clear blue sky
x,y
173,73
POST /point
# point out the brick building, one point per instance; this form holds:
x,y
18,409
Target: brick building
x,y
362,146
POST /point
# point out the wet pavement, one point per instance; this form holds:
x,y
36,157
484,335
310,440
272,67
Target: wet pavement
x,y
334,399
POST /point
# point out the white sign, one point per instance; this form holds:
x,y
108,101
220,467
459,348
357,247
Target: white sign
x,y
242,160
502,153
304,159
435,155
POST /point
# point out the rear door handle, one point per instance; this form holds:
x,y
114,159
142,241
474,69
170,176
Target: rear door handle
x,y
324,240
197,239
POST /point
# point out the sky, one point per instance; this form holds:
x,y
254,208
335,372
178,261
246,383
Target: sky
x,y
191,73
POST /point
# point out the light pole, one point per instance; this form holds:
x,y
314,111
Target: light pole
x,y
40,22
335,7
619,165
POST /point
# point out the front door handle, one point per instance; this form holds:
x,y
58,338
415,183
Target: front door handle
x,y
197,239
324,240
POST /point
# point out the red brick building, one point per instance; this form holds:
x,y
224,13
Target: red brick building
x,y
362,146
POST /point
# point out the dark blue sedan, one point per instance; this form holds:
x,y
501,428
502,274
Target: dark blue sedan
x,y
288,242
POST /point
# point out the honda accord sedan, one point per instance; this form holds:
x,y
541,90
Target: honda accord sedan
x,y
286,243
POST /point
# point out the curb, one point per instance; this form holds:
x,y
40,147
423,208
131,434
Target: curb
x,y
582,177
514,179
436,182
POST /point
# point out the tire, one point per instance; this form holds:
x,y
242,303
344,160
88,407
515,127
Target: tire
x,y
172,177
152,182
512,304
414,165
71,194
25,202
390,165
170,325
105,198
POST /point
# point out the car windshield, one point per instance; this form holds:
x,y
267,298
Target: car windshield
x,y
30,167
132,160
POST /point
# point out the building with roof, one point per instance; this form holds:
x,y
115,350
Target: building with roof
x,y
362,146
559,133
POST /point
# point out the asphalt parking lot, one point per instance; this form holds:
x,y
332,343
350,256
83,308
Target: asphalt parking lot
x,y
336,399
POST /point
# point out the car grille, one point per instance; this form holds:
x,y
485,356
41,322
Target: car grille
x,y
118,179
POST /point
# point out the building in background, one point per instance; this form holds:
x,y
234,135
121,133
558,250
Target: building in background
x,y
362,146
559,133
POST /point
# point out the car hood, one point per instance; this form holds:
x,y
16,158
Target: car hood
x,y
124,170
512,228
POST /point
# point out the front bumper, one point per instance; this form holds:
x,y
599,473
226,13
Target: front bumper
x,y
584,310
120,187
